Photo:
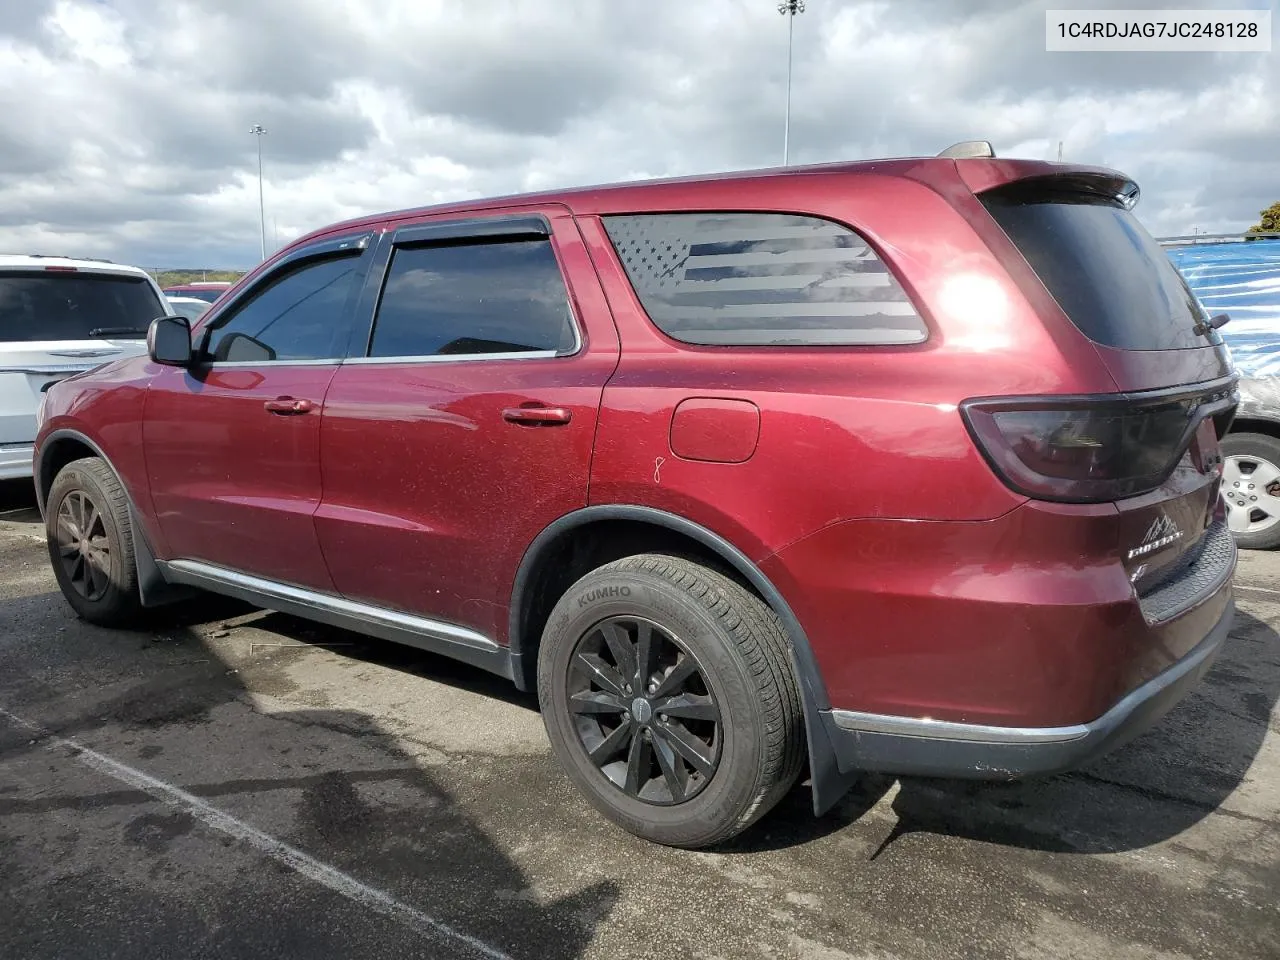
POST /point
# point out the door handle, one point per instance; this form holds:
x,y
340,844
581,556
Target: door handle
x,y
288,406
537,416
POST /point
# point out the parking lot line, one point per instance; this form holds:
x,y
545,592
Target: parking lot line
x,y
1252,589
326,875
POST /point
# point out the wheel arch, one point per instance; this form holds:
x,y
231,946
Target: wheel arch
x,y
64,445
1246,424
553,551
58,449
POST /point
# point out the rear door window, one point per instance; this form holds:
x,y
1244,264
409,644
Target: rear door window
x,y
1105,271
49,305
465,299
762,279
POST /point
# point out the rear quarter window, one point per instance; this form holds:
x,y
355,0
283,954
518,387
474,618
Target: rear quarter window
x,y
762,279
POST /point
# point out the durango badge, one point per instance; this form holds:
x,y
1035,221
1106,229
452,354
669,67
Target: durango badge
x,y
1161,533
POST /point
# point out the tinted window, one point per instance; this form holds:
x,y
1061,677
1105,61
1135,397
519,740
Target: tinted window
x,y
1106,272
297,316
755,278
473,298
40,305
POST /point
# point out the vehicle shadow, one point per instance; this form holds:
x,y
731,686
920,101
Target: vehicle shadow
x,y
1148,791
335,785
18,502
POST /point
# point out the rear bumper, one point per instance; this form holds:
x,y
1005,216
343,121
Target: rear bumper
x,y
15,460
923,747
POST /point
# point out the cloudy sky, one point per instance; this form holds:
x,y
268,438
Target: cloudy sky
x,y
124,124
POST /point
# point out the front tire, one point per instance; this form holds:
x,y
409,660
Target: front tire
x,y
90,537
1251,486
669,699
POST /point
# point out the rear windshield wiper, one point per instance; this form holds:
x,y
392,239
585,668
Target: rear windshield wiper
x,y
118,332
1213,323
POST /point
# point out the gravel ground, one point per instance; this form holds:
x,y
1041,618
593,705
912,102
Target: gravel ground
x,y
237,783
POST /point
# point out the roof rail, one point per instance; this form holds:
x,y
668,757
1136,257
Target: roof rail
x,y
966,149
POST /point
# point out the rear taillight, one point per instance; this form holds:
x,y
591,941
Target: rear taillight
x,y
1088,449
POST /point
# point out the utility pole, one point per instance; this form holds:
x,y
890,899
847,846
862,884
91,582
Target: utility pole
x,y
258,130
789,9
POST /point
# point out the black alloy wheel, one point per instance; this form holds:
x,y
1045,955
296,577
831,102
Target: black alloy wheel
x,y
643,710
669,699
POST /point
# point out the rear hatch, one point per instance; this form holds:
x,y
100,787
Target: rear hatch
x,y
1151,448
61,321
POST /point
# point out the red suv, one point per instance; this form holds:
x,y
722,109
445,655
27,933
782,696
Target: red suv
x,y
908,466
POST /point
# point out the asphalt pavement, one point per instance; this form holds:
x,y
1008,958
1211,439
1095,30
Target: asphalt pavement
x,y
234,783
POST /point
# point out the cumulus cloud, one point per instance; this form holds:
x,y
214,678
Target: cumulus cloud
x,y
124,124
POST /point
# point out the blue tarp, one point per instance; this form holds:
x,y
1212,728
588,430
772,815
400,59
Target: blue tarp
x,y
1242,280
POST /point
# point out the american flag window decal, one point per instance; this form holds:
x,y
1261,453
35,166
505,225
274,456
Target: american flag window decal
x,y
753,279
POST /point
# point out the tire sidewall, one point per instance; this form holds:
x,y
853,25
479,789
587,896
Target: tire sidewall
x,y
603,594
71,479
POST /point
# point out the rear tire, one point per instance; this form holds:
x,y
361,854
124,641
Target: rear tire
x,y
90,538
699,744
1252,458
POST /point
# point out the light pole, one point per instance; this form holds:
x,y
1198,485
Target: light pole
x,y
789,9
258,130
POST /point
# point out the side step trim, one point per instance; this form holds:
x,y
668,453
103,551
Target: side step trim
x,y
436,636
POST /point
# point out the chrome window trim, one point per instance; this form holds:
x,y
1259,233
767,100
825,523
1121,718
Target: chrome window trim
x,y
460,357
947,730
247,364
197,573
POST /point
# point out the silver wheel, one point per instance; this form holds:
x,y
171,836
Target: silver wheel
x,y
1251,487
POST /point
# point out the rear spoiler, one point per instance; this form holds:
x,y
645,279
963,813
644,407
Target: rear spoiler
x,y
1029,177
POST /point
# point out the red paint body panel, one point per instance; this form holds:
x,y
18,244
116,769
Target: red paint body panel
x,y
430,493
106,405
231,483
431,496
716,430
924,584
1027,620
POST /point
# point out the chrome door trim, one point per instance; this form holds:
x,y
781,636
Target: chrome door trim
x,y
449,639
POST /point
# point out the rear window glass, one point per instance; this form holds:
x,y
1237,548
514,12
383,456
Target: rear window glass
x,y
42,305
1109,276
762,279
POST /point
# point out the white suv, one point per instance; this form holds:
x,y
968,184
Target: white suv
x,y
60,316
